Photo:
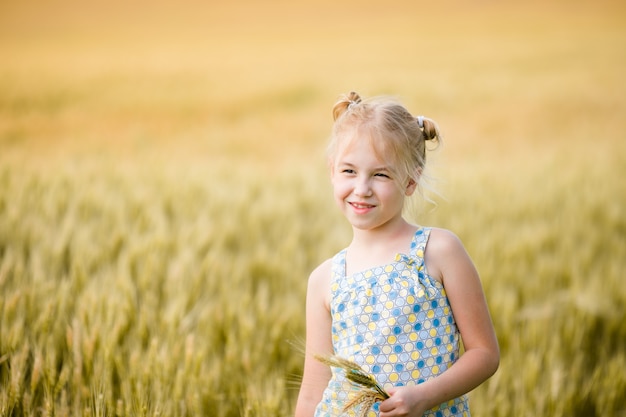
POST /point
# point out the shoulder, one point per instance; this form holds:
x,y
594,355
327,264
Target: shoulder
x,y
443,240
319,283
322,272
444,251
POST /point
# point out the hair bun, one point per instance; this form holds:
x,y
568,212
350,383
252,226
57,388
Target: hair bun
x,y
428,127
344,103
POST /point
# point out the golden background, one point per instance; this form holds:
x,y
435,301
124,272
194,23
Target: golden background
x,y
164,195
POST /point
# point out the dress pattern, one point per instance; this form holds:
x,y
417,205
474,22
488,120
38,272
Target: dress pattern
x,y
395,321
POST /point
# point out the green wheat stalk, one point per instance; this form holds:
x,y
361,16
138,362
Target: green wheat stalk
x,y
370,390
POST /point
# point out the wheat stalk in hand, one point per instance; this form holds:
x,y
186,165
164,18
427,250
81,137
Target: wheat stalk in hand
x,y
370,391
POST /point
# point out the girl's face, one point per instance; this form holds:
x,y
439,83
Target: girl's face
x,y
364,186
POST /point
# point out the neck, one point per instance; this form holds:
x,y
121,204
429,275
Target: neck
x,y
378,246
383,236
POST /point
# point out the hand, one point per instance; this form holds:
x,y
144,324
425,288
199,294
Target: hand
x,y
403,401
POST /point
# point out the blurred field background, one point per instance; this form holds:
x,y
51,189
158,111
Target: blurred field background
x,y
164,195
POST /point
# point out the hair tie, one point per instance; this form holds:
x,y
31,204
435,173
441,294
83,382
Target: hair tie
x,y
352,104
420,121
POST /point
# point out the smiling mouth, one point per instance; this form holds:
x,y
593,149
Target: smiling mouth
x,y
362,205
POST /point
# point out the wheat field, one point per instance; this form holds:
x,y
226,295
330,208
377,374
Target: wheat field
x,y
164,194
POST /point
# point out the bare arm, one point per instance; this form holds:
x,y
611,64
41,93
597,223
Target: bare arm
x,y
318,340
448,261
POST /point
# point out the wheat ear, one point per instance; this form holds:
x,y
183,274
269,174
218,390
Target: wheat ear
x,y
370,392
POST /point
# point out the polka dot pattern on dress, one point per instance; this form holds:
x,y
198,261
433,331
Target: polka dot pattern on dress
x,y
396,322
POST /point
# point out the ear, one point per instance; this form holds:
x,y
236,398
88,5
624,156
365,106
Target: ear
x,y
412,183
411,187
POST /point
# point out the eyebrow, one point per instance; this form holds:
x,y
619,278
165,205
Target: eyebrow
x,y
351,165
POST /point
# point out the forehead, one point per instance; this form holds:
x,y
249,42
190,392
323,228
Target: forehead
x,y
363,142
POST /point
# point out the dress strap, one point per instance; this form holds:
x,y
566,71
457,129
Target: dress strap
x,y
418,245
338,266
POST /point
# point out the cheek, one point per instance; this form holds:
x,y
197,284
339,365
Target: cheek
x,y
392,194
340,188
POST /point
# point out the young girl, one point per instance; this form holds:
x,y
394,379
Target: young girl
x,y
399,299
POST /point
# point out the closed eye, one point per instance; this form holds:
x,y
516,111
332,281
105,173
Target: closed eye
x,y
382,174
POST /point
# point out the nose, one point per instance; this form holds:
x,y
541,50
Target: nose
x,y
362,187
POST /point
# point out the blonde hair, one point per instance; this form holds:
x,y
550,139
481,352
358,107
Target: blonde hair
x,y
396,135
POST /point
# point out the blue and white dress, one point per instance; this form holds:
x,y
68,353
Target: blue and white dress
x,y
395,321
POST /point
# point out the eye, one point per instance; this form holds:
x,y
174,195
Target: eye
x,y
347,171
382,174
